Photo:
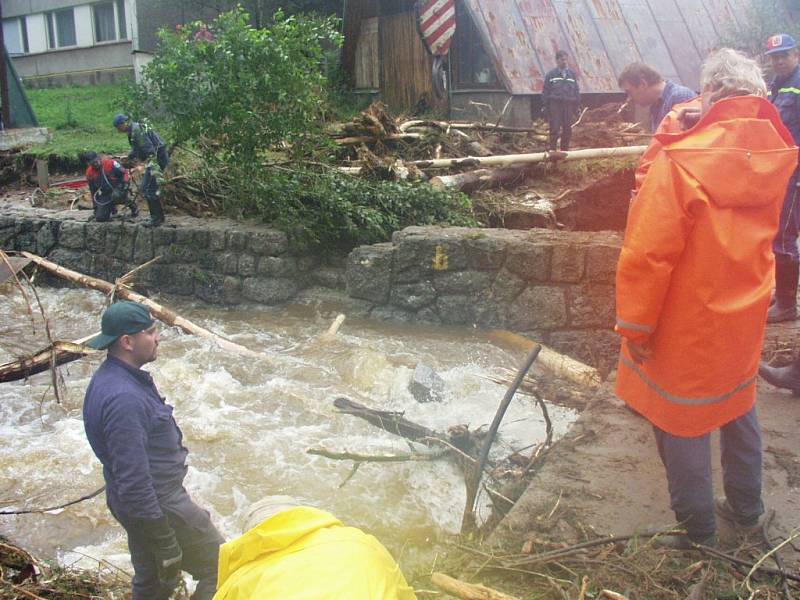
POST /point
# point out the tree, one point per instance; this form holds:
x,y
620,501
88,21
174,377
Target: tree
x,y
261,11
241,88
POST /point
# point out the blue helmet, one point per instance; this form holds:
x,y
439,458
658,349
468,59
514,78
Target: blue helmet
x,y
120,119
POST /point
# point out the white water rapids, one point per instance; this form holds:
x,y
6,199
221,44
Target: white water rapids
x,y
248,423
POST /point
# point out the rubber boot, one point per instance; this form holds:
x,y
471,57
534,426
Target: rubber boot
x,y
156,211
787,271
782,377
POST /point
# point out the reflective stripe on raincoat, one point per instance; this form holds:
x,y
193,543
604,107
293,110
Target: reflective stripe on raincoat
x,y
308,554
696,267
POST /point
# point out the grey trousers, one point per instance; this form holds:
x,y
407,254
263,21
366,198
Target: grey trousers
x,y
199,541
688,465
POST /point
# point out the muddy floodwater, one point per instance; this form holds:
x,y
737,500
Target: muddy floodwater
x,y
248,422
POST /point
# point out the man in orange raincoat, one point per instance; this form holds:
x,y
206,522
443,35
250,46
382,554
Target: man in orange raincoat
x,y
693,287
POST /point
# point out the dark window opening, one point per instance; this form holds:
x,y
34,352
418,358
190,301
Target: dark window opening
x,y
472,65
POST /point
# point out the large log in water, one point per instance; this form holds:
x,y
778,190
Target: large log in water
x,y
164,314
41,361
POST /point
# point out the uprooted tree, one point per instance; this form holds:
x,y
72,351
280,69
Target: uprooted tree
x,y
241,103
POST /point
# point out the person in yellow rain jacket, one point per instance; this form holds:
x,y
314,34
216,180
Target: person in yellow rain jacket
x,y
292,552
693,287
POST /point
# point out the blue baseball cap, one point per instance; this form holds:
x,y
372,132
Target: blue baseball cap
x,y
120,119
780,43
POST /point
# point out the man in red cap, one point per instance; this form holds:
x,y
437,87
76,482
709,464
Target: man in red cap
x,y
132,431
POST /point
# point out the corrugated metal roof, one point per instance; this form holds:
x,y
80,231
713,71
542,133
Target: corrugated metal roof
x,y
602,37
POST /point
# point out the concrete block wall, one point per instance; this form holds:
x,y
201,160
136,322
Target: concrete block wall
x,y
556,286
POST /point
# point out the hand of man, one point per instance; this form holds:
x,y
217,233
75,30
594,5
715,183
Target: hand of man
x,y
639,352
165,548
688,116
168,559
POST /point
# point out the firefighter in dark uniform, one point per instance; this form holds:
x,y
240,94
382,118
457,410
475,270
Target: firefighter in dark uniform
x,y
784,93
108,184
148,148
561,98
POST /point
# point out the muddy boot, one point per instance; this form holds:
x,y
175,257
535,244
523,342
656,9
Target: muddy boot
x,y
683,542
782,377
786,276
156,211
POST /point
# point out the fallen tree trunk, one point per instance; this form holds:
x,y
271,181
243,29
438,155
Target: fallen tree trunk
x,y
467,591
162,313
536,157
560,365
476,126
393,422
41,361
371,139
479,179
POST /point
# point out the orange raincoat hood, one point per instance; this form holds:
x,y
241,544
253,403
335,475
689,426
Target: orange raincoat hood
x,y
696,267
732,150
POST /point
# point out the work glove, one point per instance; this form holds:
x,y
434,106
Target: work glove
x,y
165,548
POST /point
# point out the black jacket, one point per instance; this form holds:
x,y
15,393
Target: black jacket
x,y
561,85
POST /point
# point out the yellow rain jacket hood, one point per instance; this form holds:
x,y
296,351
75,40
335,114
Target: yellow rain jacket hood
x,y
307,554
696,268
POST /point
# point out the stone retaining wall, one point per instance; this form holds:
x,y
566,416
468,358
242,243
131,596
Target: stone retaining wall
x,y
554,285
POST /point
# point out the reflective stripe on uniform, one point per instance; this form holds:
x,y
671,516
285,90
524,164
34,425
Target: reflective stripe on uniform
x,y
634,326
788,90
680,399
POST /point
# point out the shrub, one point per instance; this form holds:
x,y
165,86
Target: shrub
x,y
241,87
332,209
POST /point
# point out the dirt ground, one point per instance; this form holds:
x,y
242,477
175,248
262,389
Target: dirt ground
x,y
605,476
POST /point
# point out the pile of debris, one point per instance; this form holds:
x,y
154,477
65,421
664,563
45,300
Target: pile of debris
x,y
23,576
376,144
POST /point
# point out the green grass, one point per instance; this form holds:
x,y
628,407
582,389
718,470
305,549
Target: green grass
x,y
80,119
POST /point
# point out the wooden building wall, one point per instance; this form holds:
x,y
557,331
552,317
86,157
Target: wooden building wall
x,y
406,63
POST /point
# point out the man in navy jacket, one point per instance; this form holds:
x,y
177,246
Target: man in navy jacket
x,y
561,98
131,430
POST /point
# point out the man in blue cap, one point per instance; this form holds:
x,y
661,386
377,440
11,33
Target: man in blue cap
x,y
147,147
132,431
784,93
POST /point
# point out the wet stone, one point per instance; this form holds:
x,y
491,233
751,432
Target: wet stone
x,y
369,272
95,237
413,296
530,261
46,237
601,262
426,385
72,235
143,247
236,240
485,253
462,282
592,305
568,263
538,307
269,291
268,243
247,265
272,266
216,239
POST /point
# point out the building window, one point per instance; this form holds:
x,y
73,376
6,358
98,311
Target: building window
x,y
109,21
16,36
60,28
473,66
